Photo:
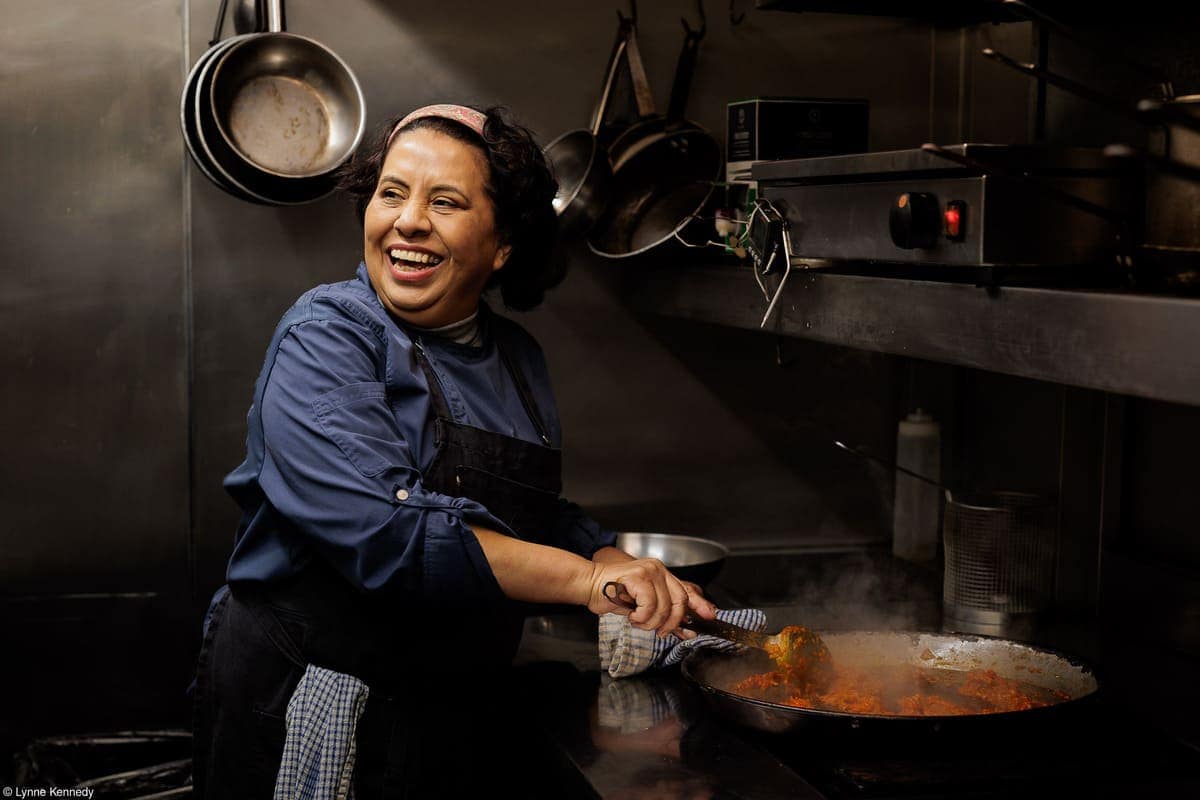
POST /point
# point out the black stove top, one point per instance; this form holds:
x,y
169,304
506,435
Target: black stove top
x,y
654,734
1096,750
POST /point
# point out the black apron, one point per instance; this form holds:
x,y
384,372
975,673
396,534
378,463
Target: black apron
x,y
435,675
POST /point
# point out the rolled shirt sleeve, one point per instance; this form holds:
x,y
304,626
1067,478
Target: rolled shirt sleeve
x,y
579,533
337,466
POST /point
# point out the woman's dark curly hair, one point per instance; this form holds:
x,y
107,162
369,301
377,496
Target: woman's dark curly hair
x,y
519,184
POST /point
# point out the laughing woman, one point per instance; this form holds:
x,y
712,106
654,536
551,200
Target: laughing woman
x,y
400,492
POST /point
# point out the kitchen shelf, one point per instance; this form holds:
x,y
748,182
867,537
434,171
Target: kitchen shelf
x,y
942,11
968,12
1128,343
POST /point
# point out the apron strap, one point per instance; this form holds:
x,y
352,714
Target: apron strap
x,y
527,400
441,409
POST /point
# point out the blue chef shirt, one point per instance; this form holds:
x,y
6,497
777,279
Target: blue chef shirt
x,y
340,431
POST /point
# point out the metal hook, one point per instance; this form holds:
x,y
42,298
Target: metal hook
x,y
703,22
632,18
735,19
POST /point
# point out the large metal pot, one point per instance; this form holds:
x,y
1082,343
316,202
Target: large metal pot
x,y
715,675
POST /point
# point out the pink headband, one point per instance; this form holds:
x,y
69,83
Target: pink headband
x,y
467,116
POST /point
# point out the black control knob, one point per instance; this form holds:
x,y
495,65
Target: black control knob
x,y
915,220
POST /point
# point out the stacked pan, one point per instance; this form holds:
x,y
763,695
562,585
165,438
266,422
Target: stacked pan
x,y
649,186
270,116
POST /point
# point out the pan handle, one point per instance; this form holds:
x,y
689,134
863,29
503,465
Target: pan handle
x,y
216,37
1165,113
1149,111
637,71
624,48
610,77
1170,166
1161,81
684,70
274,16
1062,82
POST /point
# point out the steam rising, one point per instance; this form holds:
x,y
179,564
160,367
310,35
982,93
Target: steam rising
x,y
843,591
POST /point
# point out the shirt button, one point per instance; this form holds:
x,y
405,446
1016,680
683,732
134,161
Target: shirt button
x,y
402,494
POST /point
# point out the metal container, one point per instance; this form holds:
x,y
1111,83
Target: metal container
x,y
1000,557
689,558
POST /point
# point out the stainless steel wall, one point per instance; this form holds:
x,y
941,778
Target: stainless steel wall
x,y
92,310
137,300
94,474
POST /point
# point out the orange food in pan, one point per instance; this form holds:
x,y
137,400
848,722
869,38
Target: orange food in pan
x,y
901,691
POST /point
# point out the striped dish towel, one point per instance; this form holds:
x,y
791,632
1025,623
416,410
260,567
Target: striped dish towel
x,y
626,650
319,750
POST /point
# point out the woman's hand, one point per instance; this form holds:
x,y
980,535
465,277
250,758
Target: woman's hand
x,y
537,573
662,599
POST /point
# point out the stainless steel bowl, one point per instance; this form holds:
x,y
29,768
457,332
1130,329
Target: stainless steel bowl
x,y
690,558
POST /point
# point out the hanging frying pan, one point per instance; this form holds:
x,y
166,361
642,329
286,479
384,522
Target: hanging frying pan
x,y
286,104
651,128
275,114
664,170
660,192
578,158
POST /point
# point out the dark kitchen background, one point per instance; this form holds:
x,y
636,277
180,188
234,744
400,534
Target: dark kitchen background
x,y
136,300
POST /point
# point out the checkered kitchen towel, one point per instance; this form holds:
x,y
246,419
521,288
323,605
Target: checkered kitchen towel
x,y
626,650
319,751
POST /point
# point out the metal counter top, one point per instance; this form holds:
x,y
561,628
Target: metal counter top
x,y
647,736
652,736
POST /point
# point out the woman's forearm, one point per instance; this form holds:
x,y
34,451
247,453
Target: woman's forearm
x,y
536,573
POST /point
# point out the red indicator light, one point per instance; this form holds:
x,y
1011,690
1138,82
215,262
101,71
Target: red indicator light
x,y
952,220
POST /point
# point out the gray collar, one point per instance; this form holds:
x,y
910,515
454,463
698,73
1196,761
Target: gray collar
x,y
465,331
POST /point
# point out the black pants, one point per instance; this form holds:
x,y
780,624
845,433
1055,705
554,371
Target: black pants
x,y
435,734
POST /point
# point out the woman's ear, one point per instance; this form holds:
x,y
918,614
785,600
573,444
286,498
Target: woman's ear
x,y
502,254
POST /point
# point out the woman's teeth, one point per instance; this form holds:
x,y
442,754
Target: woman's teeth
x,y
413,259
